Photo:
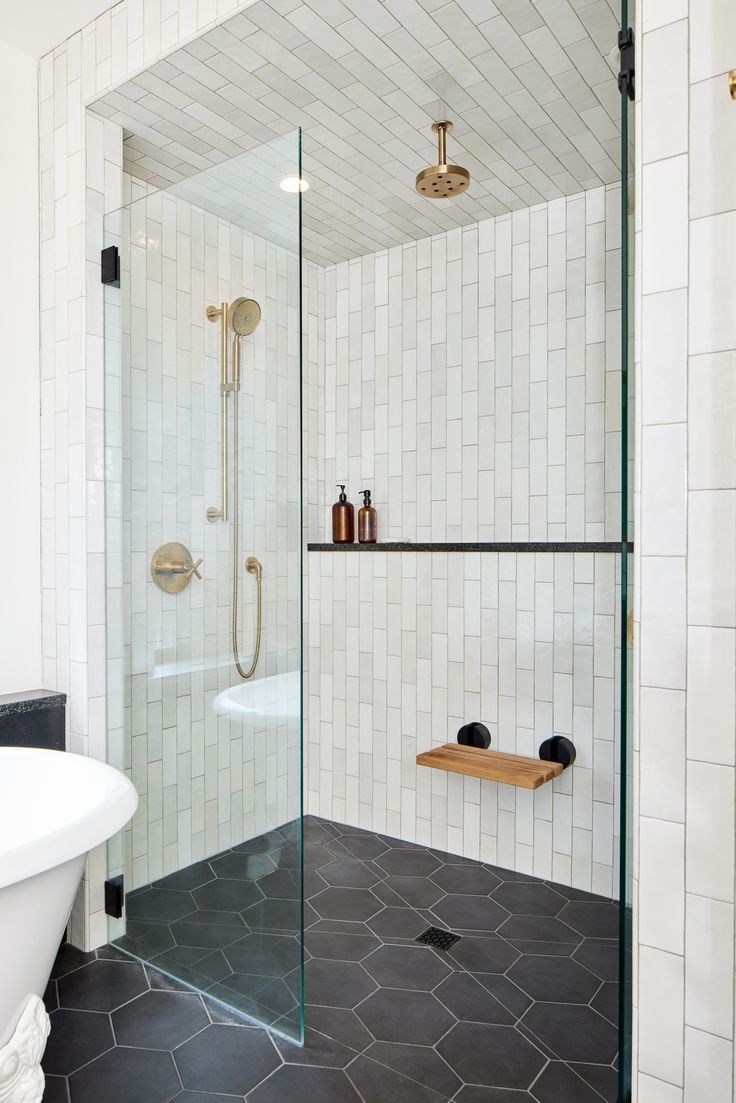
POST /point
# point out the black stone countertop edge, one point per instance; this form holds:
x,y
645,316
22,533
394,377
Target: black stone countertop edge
x,y
613,546
30,700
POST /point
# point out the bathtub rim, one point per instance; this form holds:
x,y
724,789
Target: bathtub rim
x,y
70,835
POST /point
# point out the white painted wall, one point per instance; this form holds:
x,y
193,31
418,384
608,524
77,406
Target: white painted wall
x,y
37,27
20,473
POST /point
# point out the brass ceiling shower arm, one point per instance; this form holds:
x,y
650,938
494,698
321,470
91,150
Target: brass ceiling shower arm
x,y
442,181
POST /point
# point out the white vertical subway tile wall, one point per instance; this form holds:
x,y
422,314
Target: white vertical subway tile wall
x,y
685,665
473,379
406,647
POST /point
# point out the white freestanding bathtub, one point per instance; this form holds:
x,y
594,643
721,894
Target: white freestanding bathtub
x,y
54,808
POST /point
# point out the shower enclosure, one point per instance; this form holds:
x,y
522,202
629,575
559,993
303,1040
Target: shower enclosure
x,y
204,569
467,338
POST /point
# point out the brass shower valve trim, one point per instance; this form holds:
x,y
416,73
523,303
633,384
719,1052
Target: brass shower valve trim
x,y
732,83
172,567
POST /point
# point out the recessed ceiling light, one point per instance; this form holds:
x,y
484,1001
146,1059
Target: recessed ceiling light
x,y
294,184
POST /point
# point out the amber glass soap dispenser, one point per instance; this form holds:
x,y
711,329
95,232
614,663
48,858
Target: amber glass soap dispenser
x,y
367,520
343,519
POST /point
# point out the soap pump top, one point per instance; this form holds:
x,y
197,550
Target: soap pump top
x,y
343,496
366,497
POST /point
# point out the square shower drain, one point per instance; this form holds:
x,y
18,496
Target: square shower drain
x,y
438,939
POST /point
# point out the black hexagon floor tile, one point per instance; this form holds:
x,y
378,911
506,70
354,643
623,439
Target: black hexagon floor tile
x,y
278,915
397,923
538,928
600,1077
76,1038
230,1060
336,983
346,903
122,1074
592,918
557,1081
201,1097
318,1049
379,1084
245,867
466,879
529,898
343,873
227,894
262,954
469,1000
416,892
341,1024
388,1020
408,863
162,905
572,1032
207,936
159,1020
554,979
484,955
470,913
420,1063
492,1056
304,1084
601,958
471,1093
191,877
408,967
68,959
416,1018
508,994
56,1090
605,1001
102,985
339,946
363,847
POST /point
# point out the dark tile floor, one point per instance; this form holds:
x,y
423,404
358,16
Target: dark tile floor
x,y
521,1009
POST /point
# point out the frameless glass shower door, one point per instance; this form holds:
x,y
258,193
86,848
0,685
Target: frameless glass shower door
x,y
204,575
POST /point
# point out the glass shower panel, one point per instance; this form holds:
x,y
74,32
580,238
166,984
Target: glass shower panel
x,y
204,574
625,748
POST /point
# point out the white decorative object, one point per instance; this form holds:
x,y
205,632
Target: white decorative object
x,y
54,808
21,1077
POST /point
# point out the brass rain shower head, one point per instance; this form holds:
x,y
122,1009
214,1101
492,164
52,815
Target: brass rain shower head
x,y
243,316
442,181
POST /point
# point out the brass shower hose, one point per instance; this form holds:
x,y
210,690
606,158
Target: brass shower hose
x,y
252,565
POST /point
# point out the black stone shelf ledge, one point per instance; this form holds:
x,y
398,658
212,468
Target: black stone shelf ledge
x,y
613,546
34,718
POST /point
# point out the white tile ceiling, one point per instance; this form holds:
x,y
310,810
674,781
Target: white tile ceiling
x,y
528,84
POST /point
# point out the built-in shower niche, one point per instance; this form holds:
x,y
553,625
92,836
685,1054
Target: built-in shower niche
x,y
214,748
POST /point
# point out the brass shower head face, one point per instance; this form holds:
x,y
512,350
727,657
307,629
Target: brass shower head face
x,y
243,316
442,181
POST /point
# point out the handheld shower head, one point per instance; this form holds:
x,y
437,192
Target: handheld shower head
x,y
243,316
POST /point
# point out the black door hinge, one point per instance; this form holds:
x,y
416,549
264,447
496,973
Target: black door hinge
x,y
114,896
626,74
110,266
